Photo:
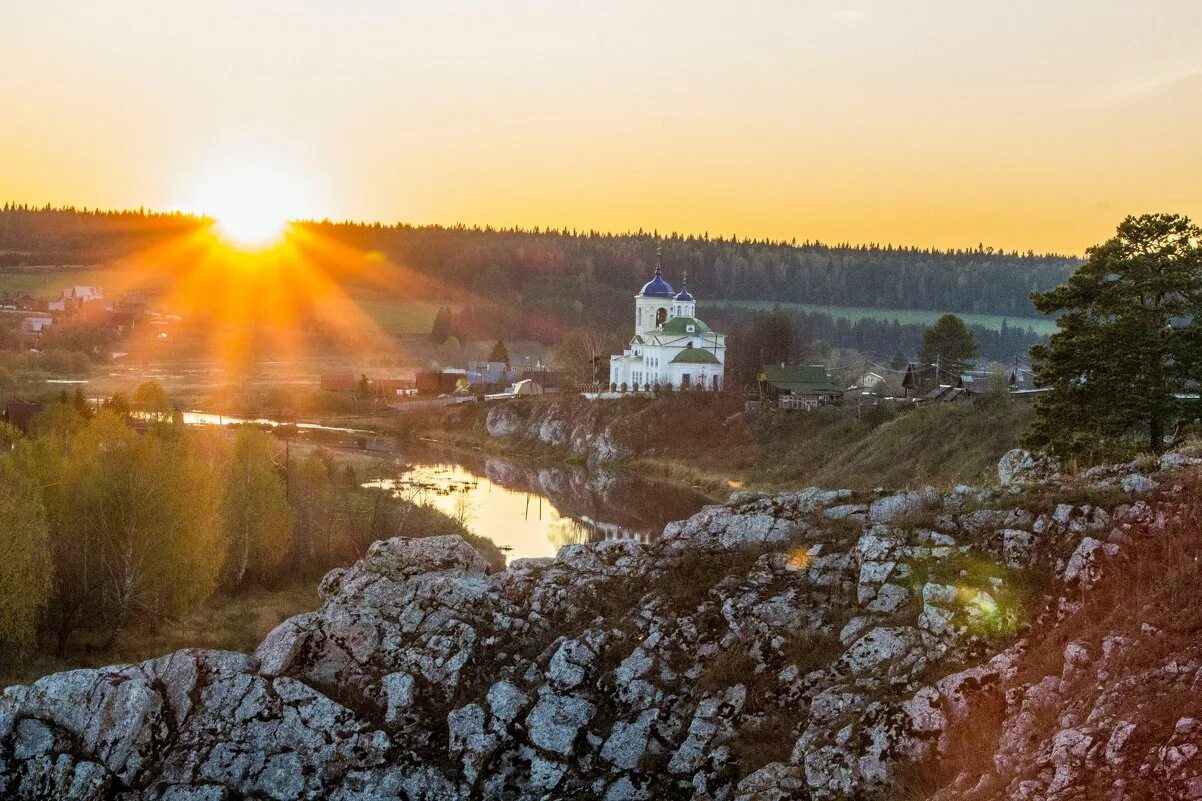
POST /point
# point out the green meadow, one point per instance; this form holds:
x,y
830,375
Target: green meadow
x,y
1040,325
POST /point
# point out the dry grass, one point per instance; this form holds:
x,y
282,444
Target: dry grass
x,y
1153,583
228,622
706,440
942,444
765,741
730,667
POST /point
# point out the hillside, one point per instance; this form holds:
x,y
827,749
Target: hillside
x,y
529,280
805,646
709,440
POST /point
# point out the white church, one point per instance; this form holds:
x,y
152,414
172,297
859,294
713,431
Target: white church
x,y
671,348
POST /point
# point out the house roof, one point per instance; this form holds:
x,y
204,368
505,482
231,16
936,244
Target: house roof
x,y
800,379
695,356
680,325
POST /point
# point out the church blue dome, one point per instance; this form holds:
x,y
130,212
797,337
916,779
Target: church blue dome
x,y
657,287
683,296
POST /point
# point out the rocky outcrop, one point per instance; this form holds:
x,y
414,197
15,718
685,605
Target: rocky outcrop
x,y
805,645
572,425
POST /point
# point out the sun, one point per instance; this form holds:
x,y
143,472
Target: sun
x,y
250,225
251,203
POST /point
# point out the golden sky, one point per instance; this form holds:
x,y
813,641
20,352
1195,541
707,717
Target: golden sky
x,y
1015,123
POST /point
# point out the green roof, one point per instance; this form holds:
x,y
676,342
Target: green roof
x,y
680,325
800,379
695,356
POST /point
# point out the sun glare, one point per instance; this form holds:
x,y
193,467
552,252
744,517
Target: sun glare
x,y
251,204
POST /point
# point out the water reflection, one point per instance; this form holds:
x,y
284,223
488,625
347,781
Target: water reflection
x,y
535,510
211,419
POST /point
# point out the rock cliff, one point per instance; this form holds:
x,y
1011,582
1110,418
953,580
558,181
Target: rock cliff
x,y
818,644
573,425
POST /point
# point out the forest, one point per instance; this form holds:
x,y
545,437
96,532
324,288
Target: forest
x,y
554,270
119,518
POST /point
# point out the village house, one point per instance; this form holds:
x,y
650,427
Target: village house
x,y
547,380
20,414
797,386
31,332
75,297
441,382
491,376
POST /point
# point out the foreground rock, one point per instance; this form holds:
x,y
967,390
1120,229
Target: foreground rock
x,y
807,645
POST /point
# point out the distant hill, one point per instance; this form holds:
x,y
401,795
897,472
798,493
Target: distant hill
x,y
532,283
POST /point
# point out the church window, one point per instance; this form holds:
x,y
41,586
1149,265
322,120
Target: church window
x,y
661,316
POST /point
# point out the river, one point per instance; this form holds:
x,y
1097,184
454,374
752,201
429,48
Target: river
x,y
528,509
532,510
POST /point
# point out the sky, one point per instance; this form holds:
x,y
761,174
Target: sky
x,y
1013,123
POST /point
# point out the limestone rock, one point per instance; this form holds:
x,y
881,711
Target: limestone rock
x,y
1137,484
556,720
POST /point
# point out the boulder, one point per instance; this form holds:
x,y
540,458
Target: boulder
x,y
556,720
1176,460
1137,484
1018,547
1020,466
884,651
503,421
894,507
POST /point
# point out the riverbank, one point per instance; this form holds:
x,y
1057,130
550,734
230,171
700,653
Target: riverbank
x,y
706,442
709,443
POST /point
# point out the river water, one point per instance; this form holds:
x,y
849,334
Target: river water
x,y
533,510
528,509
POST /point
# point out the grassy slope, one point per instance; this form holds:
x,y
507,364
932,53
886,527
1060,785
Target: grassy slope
x,y
708,442
395,316
942,445
50,281
1146,602
1040,325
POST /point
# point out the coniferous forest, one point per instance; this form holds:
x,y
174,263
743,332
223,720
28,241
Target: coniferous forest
x,y
535,283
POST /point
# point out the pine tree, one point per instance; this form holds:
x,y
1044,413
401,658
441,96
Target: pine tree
x,y
441,327
499,353
1130,337
949,344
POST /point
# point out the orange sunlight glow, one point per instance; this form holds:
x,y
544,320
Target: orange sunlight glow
x,y
244,286
235,305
